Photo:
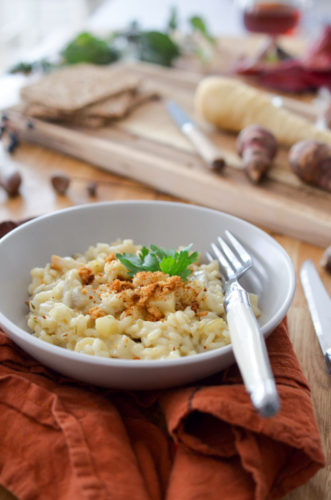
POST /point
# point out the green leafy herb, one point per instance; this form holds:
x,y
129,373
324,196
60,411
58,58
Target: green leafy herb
x,y
144,261
90,49
22,67
199,24
43,65
160,259
157,48
173,20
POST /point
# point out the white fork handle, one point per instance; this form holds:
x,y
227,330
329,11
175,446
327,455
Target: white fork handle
x,y
250,351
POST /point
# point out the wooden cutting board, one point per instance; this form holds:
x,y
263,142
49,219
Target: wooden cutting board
x,y
148,147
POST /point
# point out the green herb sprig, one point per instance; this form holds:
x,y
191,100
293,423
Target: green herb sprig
x,y
199,24
87,48
160,259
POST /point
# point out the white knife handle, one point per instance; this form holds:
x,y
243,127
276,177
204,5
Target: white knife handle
x,y
207,150
250,351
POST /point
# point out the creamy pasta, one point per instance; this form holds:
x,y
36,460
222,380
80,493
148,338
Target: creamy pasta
x,y
88,303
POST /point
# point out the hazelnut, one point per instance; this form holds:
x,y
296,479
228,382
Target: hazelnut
x,y
92,188
60,182
326,259
11,183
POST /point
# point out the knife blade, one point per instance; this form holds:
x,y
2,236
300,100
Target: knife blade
x,y
319,304
203,145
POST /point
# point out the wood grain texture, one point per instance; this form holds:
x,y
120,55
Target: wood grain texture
x,y
148,147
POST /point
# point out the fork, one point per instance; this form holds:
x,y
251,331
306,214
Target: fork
x,y
246,338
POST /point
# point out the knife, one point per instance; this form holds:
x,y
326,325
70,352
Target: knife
x,y
204,146
319,304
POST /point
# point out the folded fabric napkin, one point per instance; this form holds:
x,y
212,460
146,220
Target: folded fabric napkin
x,y
65,440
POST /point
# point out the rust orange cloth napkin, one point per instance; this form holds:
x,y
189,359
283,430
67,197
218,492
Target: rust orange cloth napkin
x,y
63,440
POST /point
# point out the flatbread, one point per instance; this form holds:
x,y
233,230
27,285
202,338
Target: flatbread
x,y
85,95
118,106
72,88
111,109
113,106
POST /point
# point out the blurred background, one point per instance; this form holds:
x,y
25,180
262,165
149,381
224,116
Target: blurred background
x,y
31,29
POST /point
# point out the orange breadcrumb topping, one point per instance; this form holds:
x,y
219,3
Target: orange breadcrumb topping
x,y
148,277
139,295
96,312
154,313
110,257
146,286
86,275
56,262
119,285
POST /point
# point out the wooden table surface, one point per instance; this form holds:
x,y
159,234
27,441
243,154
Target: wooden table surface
x,y
37,197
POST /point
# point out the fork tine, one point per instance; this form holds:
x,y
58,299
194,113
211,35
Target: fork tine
x,y
231,257
223,261
209,257
242,252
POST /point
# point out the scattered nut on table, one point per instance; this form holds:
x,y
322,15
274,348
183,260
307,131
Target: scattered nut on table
x,y
92,187
311,161
326,259
11,183
60,182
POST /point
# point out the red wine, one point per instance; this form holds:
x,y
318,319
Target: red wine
x,y
271,18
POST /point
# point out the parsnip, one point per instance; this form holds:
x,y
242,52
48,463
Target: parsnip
x,y
233,105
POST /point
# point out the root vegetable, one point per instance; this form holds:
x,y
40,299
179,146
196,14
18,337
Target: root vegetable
x,y
311,161
257,147
232,105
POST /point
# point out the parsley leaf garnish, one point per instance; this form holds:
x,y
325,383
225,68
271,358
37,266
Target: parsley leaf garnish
x,y
160,259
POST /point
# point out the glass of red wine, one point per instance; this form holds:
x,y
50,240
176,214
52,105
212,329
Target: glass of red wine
x,y
272,18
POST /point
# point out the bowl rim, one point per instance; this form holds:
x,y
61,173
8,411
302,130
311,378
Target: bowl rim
x,y
267,328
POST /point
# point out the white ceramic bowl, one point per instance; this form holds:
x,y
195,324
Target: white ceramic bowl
x,y
166,224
